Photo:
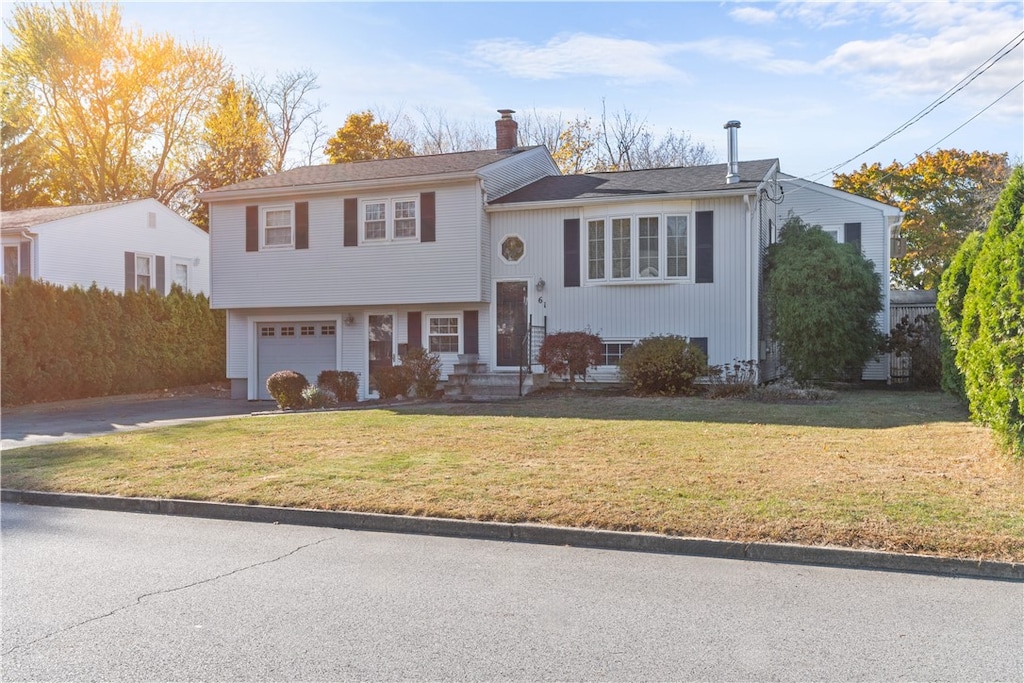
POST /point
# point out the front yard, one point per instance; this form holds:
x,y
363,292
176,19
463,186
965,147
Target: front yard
x,y
898,471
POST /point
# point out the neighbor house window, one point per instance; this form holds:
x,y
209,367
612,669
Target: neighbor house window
x,y
12,264
390,219
278,227
443,334
638,248
181,275
834,233
143,272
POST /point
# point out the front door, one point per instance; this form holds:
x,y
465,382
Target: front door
x,y
381,336
511,322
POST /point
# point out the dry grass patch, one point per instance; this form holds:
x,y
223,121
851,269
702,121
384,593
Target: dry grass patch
x,y
883,470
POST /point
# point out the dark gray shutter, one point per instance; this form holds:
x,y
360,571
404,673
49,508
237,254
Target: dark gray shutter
x,y
129,271
701,343
414,323
159,284
351,223
25,259
428,221
705,270
571,251
252,228
471,332
851,234
302,225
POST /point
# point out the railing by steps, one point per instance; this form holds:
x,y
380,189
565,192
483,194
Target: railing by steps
x,y
530,348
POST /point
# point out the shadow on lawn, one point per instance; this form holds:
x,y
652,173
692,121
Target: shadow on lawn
x,y
851,409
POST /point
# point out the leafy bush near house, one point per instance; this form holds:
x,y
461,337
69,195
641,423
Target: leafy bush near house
x,y
424,371
393,381
344,385
823,299
950,306
732,379
570,354
665,364
314,396
286,387
990,348
62,343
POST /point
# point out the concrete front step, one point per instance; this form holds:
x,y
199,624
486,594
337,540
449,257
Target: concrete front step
x,y
485,385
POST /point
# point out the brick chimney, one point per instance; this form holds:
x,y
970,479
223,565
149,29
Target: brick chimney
x,y
507,130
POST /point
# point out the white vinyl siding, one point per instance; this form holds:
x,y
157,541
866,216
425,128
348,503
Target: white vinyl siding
x,y
634,309
90,247
405,271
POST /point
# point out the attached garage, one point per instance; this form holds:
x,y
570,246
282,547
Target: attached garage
x,y
308,347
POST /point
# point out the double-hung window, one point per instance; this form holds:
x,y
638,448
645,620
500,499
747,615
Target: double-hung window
x,y
638,248
143,272
181,275
390,219
443,334
278,227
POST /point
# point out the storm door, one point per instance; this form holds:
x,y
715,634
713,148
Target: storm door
x,y
381,335
511,322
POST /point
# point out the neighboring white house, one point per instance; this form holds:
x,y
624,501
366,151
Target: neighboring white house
x,y
125,245
477,255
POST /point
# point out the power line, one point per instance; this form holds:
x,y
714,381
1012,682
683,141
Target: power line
x,y
960,85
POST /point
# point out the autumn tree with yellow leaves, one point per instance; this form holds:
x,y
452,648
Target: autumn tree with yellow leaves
x,y
116,114
362,138
944,196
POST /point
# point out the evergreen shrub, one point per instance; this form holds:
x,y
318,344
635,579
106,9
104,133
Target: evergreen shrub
x,y
393,381
665,364
286,387
344,385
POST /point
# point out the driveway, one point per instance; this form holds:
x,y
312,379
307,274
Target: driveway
x,y
61,421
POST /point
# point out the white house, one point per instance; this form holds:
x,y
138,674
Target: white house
x,y
476,255
124,245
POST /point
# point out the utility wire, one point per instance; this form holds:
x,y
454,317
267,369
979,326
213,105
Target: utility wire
x,y
960,85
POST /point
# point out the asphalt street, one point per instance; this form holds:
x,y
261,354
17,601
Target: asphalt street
x,y
95,595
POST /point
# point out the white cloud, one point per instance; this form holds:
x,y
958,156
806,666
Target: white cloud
x,y
580,55
753,15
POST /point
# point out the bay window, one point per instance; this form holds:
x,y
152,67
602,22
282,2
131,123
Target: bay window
x,y
638,248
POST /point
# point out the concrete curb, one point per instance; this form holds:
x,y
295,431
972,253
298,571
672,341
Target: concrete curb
x,y
535,533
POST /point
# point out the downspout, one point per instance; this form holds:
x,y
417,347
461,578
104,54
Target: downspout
x,y
751,344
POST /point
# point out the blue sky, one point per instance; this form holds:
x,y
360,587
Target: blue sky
x,y
813,83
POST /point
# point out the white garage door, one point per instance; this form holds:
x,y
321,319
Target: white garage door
x,y
307,347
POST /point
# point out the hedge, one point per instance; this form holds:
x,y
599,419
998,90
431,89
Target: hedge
x,y
58,343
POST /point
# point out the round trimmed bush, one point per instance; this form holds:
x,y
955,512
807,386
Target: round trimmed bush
x,y
343,384
665,364
286,386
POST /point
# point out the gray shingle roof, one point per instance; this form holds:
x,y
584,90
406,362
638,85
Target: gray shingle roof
x,y
645,183
23,219
381,169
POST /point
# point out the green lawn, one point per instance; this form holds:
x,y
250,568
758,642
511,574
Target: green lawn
x,y
889,470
